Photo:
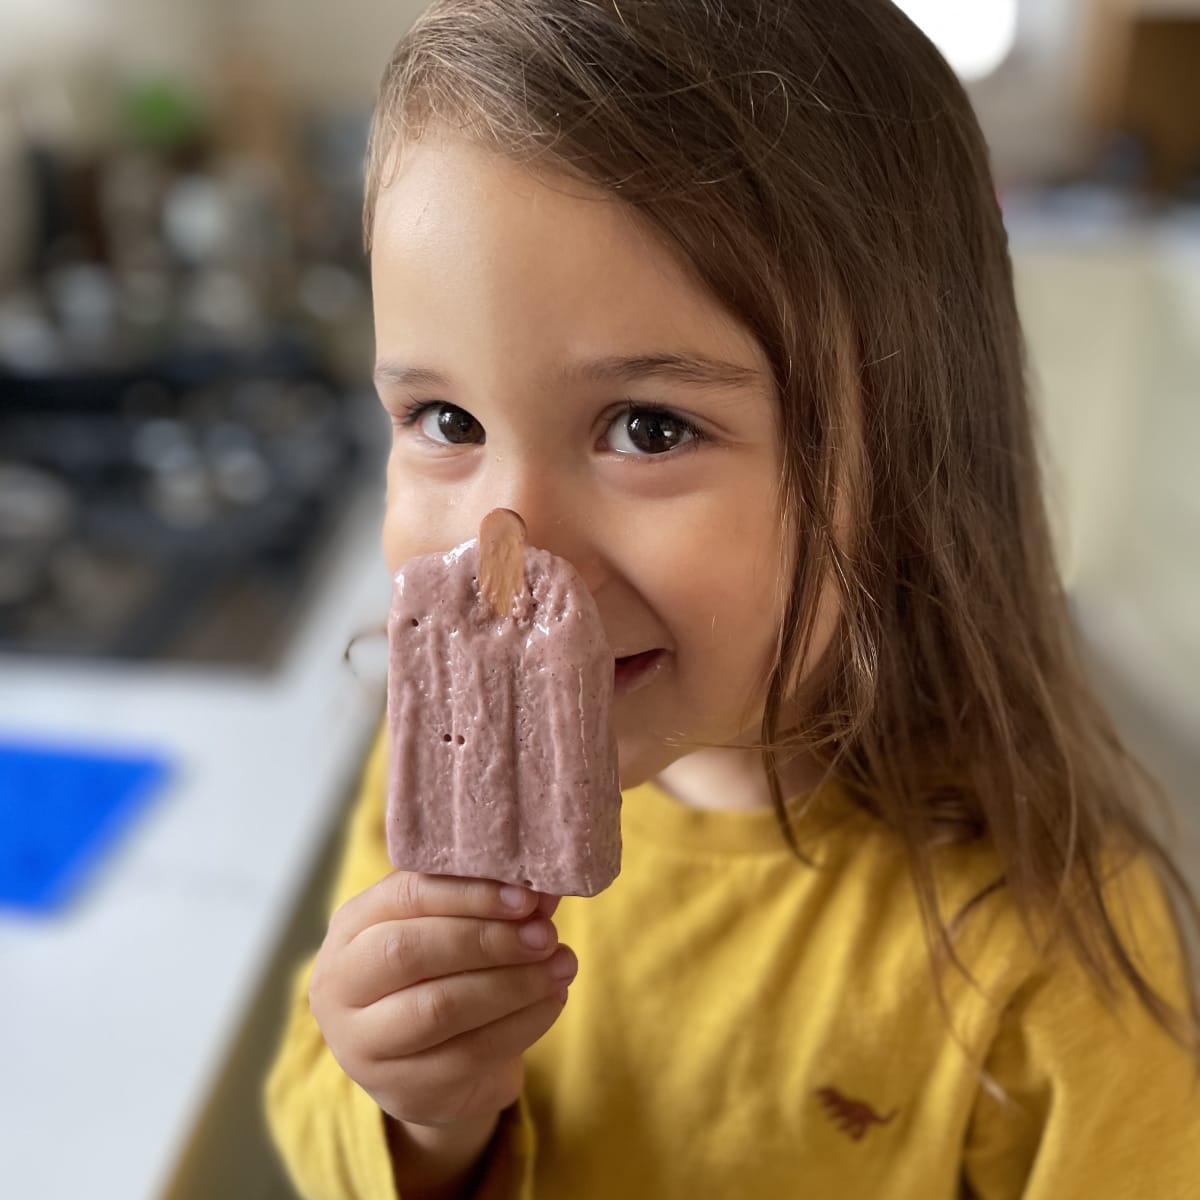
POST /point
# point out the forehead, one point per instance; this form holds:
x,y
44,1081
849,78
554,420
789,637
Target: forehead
x,y
468,243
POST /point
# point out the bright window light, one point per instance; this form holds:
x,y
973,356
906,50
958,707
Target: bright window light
x,y
975,37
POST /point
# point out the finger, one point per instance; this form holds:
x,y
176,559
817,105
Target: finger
x,y
546,903
433,1012
404,894
478,1071
504,1038
394,955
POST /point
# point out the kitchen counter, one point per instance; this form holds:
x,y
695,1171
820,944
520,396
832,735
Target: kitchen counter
x,y
116,1015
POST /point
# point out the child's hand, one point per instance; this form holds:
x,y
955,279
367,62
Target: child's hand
x,y
428,992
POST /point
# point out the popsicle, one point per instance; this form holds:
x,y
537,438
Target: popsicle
x,y
503,757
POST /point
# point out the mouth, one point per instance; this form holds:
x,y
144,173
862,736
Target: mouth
x,y
636,670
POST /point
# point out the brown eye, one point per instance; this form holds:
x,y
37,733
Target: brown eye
x,y
650,431
450,424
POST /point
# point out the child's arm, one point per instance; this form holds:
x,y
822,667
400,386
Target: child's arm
x,y
342,1138
1103,1102
427,996
438,1163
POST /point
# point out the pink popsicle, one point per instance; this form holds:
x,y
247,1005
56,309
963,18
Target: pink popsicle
x,y
503,758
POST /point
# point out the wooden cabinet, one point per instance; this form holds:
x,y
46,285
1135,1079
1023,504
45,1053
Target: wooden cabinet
x,y
1143,79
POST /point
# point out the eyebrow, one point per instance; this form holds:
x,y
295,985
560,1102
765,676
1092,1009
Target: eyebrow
x,y
691,369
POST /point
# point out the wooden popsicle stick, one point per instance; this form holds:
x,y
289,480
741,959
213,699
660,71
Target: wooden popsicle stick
x,y
501,559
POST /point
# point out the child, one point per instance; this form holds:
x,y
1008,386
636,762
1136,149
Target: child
x,y
716,294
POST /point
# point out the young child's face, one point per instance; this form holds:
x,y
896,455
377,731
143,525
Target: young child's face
x,y
507,284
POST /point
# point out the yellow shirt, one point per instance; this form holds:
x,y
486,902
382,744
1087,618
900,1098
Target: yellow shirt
x,y
743,1025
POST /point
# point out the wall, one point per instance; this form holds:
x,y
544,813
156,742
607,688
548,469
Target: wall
x,y
42,35
330,53
1034,109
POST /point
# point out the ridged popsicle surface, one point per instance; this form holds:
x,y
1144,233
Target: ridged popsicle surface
x,y
503,757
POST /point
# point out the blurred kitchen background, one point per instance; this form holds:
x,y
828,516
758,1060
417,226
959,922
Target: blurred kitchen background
x,y
190,479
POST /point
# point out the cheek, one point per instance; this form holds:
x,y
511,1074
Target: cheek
x,y
732,622
412,525
427,511
727,605
396,540
829,612
399,527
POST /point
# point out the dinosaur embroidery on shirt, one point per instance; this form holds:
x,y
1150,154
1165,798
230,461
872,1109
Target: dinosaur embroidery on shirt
x,y
851,1116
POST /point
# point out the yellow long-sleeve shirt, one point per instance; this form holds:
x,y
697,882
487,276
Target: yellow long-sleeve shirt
x,y
745,1026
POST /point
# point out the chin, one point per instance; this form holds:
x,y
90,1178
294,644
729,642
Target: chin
x,y
641,762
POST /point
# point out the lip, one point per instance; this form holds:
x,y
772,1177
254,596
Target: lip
x,y
636,670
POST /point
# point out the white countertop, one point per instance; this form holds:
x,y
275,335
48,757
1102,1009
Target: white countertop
x,y
116,1014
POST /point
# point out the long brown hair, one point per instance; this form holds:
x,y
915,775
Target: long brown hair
x,y
819,166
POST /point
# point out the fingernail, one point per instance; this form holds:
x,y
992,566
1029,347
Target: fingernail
x,y
564,965
513,897
534,934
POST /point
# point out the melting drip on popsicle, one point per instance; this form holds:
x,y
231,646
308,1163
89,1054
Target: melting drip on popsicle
x,y
503,756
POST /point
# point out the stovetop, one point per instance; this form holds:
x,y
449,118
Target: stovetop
x,y
175,511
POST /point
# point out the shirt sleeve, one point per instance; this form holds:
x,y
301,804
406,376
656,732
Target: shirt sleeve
x,y
328,1131
1102,1101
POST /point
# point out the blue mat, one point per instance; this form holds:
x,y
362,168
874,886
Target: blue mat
x,y
62,810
